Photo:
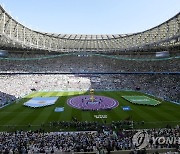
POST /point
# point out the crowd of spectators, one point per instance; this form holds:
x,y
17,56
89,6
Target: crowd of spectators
x,y
166,87
6,99
73,63
20,85
161,85
86,141
94,125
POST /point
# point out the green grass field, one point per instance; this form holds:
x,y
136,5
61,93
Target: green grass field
x,y
17,116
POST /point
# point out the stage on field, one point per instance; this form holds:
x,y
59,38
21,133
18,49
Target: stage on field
x,y
41,101
142,100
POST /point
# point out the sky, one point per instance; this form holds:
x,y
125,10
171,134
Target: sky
x,y
91,16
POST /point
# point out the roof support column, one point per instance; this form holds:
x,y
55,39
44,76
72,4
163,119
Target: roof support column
x,y
37,40
10,28
24,35
3,25
44,40
50,43
17,32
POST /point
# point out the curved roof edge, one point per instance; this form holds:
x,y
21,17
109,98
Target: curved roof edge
x,y
86,36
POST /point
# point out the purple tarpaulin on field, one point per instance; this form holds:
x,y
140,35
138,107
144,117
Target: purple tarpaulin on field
x,y
85,102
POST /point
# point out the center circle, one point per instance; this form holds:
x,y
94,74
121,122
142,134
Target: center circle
x,y
85,102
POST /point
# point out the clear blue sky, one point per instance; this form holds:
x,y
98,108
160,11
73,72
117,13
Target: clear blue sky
x,y
91,16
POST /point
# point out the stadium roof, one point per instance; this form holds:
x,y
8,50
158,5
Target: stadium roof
x,y
15,35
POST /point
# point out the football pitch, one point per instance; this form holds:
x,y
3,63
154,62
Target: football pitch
x,y
17,116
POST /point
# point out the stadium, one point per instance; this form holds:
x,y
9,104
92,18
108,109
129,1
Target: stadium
x,y
83,93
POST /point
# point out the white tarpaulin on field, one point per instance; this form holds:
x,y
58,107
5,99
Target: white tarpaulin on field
x,y
41,101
